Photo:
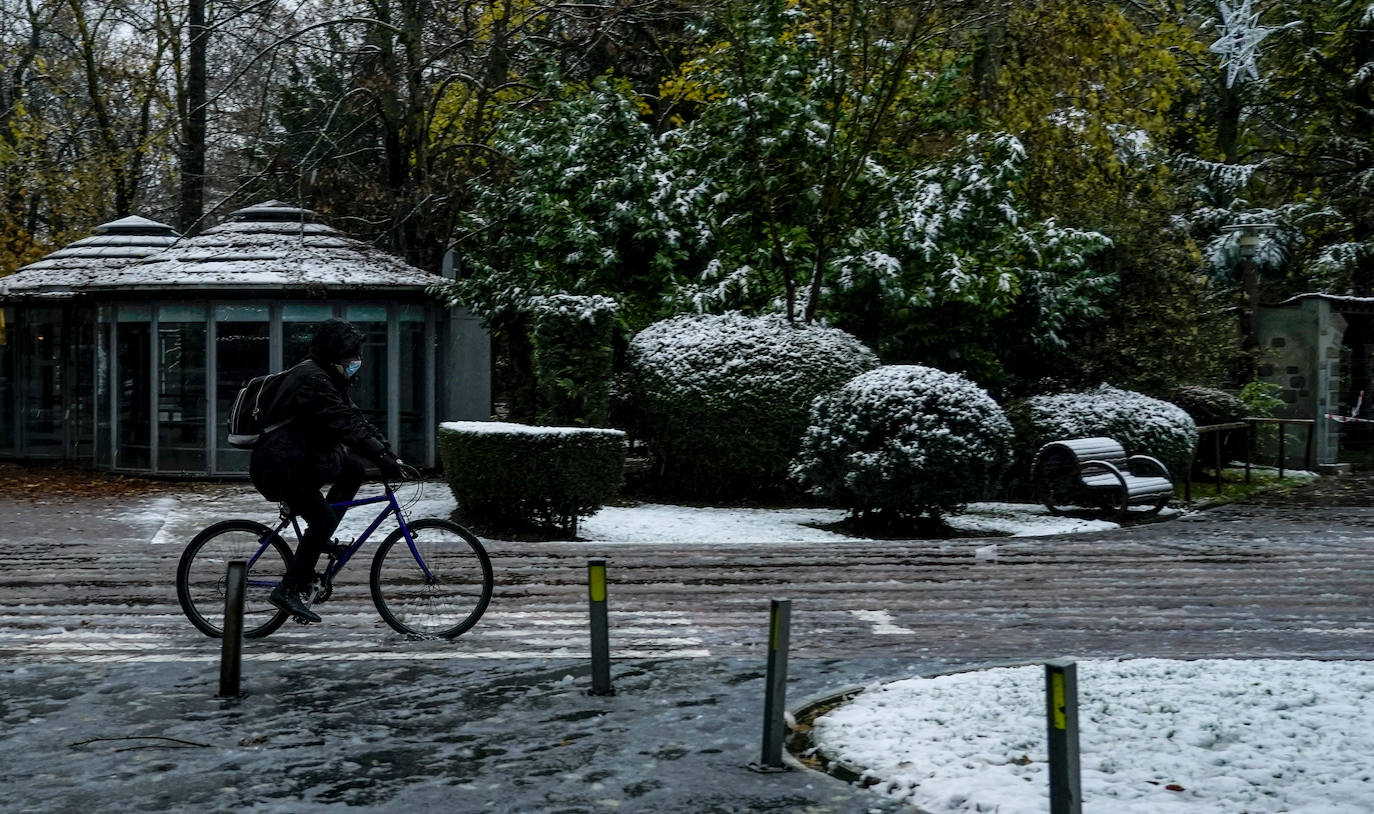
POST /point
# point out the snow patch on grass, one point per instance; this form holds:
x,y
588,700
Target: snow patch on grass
x,y
1214,736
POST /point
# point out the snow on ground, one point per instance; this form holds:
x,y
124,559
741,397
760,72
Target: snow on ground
x,y
1022,520
658,523
1156,735
645,523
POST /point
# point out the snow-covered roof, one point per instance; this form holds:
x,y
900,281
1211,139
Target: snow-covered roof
x,y
269,247
114,245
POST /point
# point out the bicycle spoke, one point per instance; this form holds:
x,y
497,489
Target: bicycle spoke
x,y
203,573
441,598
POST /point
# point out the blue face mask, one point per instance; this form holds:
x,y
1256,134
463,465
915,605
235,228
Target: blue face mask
x,y
353,368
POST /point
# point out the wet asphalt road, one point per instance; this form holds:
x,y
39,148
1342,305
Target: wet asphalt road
x,y
106,693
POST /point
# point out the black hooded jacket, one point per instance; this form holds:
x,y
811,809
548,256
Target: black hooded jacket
x,y
325,421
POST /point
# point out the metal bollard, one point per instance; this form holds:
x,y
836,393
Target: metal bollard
x,y
1061,702
231,652
775,690
601,639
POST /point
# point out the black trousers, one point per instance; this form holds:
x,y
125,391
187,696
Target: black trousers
x,y
321,518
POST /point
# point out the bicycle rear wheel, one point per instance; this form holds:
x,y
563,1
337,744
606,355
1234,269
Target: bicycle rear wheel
x,y
202,576
443,592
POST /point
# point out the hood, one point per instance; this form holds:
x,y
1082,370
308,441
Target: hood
x,y
335,341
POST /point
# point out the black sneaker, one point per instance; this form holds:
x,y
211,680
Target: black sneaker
x,y
291,602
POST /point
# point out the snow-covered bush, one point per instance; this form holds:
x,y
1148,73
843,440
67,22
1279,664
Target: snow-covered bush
x,y
1143,425
903,439
514,474
1208,405
570,205
722,399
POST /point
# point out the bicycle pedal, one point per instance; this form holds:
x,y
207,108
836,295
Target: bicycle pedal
x,y
301,620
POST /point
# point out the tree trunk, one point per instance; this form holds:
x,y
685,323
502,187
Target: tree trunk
x,y
121,185
1228,123
192,204
813,295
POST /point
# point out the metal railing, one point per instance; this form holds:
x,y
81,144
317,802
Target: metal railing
x,y
1283,436
1251,428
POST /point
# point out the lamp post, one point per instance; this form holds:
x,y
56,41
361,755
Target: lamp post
x,y
1248,236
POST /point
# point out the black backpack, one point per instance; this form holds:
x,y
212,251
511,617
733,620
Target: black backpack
x,y
253,409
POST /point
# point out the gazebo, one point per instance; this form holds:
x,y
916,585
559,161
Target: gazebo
x,y
125,350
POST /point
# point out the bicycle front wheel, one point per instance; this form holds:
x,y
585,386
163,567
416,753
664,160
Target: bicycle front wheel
x,y
202,576
439,588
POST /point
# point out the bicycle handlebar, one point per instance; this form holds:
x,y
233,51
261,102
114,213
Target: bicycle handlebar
x,y
408,473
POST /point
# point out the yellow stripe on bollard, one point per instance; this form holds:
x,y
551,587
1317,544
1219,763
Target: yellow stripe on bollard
x,y
596,582
1061,729
1061,720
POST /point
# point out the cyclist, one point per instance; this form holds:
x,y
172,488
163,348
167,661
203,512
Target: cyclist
x,y
326,440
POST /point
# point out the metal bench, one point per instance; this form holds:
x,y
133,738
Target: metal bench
x,y
1096,472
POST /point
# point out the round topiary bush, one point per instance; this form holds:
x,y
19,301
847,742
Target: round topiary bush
x,y
722,400
1143,425
1208,405
903,439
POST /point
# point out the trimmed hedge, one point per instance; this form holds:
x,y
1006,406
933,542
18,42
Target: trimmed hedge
x,y
572,356
903,439
1143,425
514,474
722,400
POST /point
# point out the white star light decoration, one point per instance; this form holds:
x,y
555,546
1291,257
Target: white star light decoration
x,y
1239,41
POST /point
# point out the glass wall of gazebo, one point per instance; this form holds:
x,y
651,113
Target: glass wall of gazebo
x,y
131,364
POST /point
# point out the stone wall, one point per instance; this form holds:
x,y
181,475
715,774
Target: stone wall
x,y
1300,343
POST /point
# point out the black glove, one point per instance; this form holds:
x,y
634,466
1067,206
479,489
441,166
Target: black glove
x,y
391,468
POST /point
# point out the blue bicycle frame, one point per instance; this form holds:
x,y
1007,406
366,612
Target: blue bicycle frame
x,y
392,507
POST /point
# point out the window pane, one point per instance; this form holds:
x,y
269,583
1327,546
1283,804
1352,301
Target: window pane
x,y
135,313
181,313
104,441
7,357
297,312
135,382
295,338
369,391
242,351
365,313
181,396
42,383
413,401
242,313
298,325
82,421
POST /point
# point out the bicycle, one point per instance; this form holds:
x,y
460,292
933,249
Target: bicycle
x,y
430,578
